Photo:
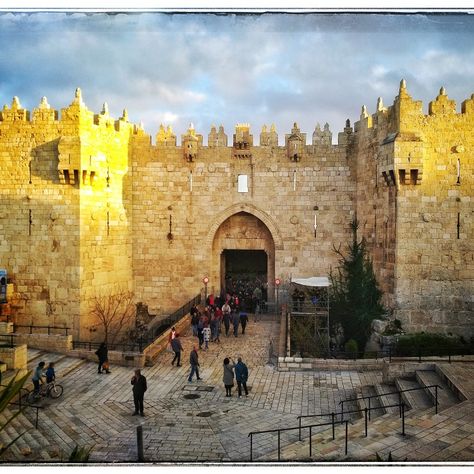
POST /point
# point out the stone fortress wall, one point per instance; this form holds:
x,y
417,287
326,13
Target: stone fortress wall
x,y
90,206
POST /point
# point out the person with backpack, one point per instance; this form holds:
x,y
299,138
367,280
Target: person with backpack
x,y
243,321
241,376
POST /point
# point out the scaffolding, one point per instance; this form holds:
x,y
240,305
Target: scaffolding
x,y
308,314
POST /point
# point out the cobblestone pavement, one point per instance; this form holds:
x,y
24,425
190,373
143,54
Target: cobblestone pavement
x,y
96,410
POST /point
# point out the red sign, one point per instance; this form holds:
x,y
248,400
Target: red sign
x,y
205,280
277,282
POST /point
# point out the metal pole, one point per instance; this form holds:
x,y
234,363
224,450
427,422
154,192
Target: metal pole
x,y
365,414
342,411
36,421
299,429
251,446
400,403
436,399
278,445
205,294
403,419
140,443
369,408
346,435
419,354
333,427
310,444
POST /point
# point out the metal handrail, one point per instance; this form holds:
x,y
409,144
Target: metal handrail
x,y
34,326
397,392
9,336
279,430
23,402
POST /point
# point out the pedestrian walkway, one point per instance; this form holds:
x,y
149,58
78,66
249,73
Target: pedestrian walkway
x,y
96,409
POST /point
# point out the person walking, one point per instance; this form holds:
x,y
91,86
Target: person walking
x,y
200,328
139,389
194,362
243,321
226,312
102,354
194,320
177,349
235,322
228,377
241,376
206,334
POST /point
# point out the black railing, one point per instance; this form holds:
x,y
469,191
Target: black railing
x,y
47,329
142,343
6,340
280,430
23,403
121,347
397,392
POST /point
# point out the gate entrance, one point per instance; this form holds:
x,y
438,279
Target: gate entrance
x,y
244,271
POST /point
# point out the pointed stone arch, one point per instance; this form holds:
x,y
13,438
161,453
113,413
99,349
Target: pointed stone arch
x,y
250,209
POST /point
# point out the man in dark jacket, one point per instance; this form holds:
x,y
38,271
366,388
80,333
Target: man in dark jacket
x,y
177,348
241,376
194,361
103,355
139,389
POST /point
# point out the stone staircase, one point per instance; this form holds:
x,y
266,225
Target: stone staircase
x,y
385,425
46,443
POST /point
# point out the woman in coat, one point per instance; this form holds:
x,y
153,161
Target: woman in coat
x,y
228,377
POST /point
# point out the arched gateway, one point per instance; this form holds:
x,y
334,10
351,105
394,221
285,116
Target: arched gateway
x,y
243,248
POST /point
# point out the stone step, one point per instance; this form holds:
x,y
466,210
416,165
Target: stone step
x,y
414,399
446,397
375,405
387,397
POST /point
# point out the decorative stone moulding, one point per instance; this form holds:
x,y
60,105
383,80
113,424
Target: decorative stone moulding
x,y
190,219
150,218
294,220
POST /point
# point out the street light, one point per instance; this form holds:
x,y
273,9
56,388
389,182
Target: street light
x,y
205,280
277,284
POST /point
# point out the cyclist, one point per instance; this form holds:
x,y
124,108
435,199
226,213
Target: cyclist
x,y
50,374
38,377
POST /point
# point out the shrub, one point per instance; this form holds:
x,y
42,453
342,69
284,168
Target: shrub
x,y
430,344
352,348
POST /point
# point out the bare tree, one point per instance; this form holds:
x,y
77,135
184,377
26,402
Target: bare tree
x,y
114,312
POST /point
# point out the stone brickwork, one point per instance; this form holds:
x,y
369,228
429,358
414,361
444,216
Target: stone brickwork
x,y
90,206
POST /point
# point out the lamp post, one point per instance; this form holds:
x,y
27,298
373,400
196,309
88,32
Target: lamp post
x,y
277,284
205,280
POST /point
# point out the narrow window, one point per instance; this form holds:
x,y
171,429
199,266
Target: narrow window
x,y
84,176
413,176
191,181
458,171
401,176
67,178
459,225
294,180
242,183
108,223
92,177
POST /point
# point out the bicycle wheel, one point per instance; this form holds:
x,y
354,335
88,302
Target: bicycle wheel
x,y
56,391
33,397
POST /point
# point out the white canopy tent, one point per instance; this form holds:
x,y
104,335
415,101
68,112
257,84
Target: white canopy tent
x,y
311,281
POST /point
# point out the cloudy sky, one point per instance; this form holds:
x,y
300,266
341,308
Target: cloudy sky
x,y
225,69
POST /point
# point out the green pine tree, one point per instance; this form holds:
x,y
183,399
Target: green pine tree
x,y
355,295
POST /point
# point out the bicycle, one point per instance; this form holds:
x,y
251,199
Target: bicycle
x,y
51,389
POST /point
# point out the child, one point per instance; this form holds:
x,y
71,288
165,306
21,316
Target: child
x,y
50,374
206,332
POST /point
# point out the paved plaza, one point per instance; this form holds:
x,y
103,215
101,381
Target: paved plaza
x,y
96,411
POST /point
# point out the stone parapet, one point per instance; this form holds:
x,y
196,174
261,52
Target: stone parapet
x,y
53,343
286,364
14,357
125,359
